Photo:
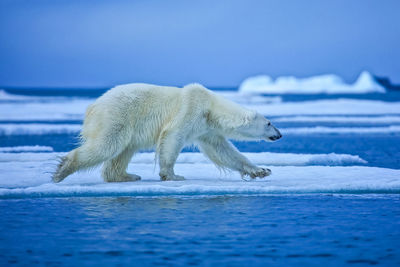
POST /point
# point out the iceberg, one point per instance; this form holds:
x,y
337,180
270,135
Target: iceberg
x,y
322,84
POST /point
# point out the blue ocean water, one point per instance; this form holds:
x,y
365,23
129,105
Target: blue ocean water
x,y
287,230
291,230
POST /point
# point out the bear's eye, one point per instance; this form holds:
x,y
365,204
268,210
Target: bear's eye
x,y
269,124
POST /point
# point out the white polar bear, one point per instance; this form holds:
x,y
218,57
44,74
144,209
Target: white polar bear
x,y
132,117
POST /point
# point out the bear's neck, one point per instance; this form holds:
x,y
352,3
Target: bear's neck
x,y
229,116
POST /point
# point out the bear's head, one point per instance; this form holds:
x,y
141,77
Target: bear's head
x,y
258,128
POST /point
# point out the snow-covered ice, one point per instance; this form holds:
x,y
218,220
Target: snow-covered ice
x,y
54,110
28,175
266,158
328,84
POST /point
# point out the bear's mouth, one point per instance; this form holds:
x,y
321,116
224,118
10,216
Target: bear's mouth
x,y
275,137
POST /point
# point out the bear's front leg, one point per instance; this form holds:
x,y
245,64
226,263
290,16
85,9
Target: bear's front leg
x,y
224,154
168,149
255,172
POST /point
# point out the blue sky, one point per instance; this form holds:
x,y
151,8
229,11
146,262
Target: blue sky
x,y
59,43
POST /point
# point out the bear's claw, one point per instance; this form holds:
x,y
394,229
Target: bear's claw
x,y
172,178
261,173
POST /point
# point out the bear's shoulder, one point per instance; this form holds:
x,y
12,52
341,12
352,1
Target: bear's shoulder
x,y
196,90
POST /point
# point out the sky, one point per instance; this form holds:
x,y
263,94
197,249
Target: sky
x,y
82,43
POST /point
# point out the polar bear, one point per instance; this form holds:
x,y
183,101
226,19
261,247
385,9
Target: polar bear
x,y
136,116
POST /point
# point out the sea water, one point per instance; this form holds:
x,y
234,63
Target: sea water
x,y
205,227
283,230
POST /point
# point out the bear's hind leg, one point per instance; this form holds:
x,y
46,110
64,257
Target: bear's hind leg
x,y
86,156
65,167
114,170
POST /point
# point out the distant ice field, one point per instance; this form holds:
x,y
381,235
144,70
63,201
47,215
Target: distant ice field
x,y
46,128
75,109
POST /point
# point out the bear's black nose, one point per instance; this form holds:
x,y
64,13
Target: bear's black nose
x,y
275,137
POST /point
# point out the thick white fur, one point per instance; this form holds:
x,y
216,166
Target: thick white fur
x,y
132,117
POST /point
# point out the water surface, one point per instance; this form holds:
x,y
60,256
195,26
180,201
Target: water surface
x,y
283,230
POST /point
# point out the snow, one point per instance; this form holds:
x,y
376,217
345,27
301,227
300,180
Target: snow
x,y
266,158
26,149
31,174
327,84
340,119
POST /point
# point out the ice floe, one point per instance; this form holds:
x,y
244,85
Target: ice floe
x,y
29,175
38,128
26,149
69,109
204,179
328,84
266,158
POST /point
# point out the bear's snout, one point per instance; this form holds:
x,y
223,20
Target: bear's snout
x,y
277,136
